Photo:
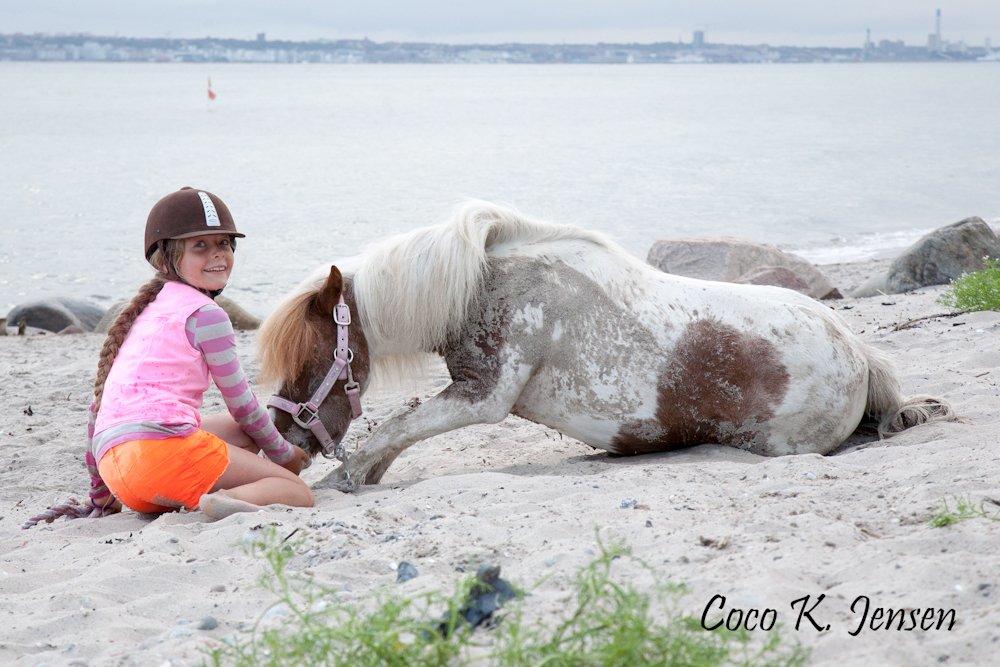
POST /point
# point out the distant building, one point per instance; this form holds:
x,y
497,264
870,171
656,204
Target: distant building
x,y
934,42
261,37
868,38
699,39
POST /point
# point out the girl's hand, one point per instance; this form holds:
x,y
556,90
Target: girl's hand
x,y
299,461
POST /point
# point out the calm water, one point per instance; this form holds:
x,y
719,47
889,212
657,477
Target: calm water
x,y
839,161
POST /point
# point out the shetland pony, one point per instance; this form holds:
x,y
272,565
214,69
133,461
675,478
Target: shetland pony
x,y
561,326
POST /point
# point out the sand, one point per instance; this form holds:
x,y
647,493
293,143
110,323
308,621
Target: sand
x,y
763,532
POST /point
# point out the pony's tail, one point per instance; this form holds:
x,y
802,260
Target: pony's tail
x,y
888,407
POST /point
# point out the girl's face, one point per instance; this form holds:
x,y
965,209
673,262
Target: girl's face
x,y
207,261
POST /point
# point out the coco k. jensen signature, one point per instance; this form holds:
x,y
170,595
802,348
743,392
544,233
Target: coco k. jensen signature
x,y
807,616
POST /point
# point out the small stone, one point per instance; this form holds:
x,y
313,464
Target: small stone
x,y
809,475
218,588
180,632
277,611
173,540
649,523
405,571
208,623
549,562
628,504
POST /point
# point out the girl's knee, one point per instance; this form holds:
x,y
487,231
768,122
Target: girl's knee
x,y
306,497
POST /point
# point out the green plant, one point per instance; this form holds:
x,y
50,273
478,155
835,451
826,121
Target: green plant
x,y
964,509
979,290
322,631
608,622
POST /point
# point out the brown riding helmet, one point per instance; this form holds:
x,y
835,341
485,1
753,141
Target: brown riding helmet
x,y
186,213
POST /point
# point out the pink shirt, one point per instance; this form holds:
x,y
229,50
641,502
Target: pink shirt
x,y
158,376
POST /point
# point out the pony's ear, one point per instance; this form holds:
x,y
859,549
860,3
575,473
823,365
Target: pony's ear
x,y
329,294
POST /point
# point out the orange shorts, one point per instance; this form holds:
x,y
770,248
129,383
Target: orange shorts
x,y
153,476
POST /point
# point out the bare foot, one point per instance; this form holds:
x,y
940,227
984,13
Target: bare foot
x,y
218,506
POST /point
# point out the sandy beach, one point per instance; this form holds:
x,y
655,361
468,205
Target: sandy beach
x,y
128,590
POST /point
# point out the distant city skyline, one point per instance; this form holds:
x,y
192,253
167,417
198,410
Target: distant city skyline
x,y
777,22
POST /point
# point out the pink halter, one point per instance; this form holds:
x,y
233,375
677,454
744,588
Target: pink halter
x,y
306,414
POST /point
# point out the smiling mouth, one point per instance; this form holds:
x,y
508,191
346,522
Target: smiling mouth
x,y
217,269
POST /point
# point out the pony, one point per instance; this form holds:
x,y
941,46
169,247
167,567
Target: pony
x,y
561,326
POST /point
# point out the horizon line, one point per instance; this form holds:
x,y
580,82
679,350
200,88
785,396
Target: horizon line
x,y
328,40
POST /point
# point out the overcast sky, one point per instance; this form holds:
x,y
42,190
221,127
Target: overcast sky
x,y
806,22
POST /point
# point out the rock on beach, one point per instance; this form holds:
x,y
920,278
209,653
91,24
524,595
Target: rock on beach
x,y
937,258
56,314
733,260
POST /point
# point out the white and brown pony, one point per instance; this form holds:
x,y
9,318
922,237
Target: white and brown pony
x,y
560,326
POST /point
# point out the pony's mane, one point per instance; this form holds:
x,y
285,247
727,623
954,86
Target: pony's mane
x,y
412,290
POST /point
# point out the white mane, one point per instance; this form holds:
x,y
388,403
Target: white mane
x,y
414,289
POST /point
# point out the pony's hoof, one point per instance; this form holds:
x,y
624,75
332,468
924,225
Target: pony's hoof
x,y
345,486
338,480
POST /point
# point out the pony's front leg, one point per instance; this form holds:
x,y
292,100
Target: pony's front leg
x,y
462,403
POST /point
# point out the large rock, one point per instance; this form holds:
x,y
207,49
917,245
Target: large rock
x,y
242,320
779,276
937,258
56,314
737,260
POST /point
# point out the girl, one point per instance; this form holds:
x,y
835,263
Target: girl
x,y
148,446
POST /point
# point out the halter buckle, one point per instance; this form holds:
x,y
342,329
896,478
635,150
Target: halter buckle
x,y
342,314
313,416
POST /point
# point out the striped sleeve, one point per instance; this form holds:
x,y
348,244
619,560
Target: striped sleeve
x,y
210,331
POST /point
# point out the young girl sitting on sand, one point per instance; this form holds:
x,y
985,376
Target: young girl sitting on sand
x,y
148,446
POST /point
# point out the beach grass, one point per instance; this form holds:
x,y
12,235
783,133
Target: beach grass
x,y
964,510
606,621
979,290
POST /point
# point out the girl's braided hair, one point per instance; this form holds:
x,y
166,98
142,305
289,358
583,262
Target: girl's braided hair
x,y
165,258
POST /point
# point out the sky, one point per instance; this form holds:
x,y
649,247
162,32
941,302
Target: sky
x,y
785,22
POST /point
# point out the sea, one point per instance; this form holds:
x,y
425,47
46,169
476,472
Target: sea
x,y
836,162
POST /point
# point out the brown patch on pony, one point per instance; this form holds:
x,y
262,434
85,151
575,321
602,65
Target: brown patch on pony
x,y
718,387
475,354
314,326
